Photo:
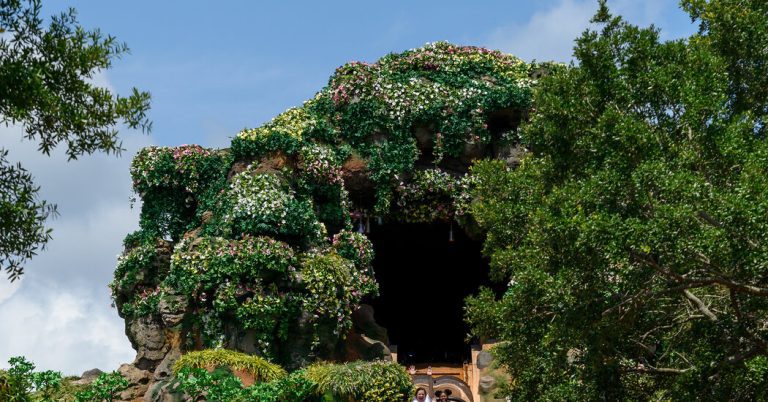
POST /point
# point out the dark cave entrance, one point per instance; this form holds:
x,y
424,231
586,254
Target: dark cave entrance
x,y
424,278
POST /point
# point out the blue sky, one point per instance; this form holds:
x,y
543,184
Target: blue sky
x,y
211,72
214,70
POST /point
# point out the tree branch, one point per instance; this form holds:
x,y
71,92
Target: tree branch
x,y
700,305
655,370
753,290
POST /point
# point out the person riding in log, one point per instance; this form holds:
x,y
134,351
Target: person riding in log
x,y
421,396
442,396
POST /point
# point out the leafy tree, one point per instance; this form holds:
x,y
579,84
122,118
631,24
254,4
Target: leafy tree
x,y
46,87
21,384
633,235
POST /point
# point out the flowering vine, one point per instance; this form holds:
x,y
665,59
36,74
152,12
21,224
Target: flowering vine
x,y
258,238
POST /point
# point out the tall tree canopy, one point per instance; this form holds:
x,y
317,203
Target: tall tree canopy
x,y
633,235
46,87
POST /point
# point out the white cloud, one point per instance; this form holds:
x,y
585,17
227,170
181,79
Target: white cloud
x,y
549,34
7,289
58,329
59,315
101,79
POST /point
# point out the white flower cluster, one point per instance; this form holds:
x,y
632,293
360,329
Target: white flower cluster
x,y
412,97
261,196
319,162
182,258
293,122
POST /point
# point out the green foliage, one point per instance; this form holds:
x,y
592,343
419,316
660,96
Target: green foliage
x,y
427,197
736,31
285,133
218,385
209,373
262,285
355,247
177,185
358,381
286,183
378,381
295,387
239,278
376,107
134,267
144,303
262,203
214,261
320,164
46,72
260,369
136,287
66,392
46,87
334,288
633,236
20,383
481,312
22,218
106,387
221,385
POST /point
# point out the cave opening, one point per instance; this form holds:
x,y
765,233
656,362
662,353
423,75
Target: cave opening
x,y
425,271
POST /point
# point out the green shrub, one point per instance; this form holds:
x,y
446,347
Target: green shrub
x,y
261,369
295,387
106,387
209,373
428,197
216,385
378,381
355,247
283,133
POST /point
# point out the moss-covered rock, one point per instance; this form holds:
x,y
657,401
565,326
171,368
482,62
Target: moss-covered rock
x,y
258,248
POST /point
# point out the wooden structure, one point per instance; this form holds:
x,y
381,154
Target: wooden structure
x,y
461,379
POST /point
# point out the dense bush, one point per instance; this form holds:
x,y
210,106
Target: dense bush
x,y
295,387
176,185
263,203
378,381
20,383
105,388
428,197
209,374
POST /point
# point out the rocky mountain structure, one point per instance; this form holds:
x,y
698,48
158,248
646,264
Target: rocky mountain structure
x,y
261,247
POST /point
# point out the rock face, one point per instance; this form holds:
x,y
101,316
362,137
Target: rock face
x,y
366,340
139,382
491,377
88,376
91,374
156,337
484,359
259,248
487,384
